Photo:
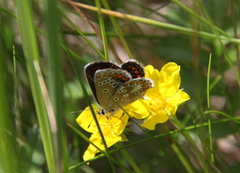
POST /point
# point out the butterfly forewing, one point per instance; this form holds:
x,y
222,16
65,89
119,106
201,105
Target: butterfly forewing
x,y
90,70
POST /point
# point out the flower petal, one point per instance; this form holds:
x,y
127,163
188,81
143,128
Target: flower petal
x,y
110,139
85,119
138,109
178,99
169,79
152,120
151,73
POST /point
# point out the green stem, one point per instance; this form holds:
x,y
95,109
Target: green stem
x,y
182,158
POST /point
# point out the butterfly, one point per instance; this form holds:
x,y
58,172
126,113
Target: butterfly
x,y
116,86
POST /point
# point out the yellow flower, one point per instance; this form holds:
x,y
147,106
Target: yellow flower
x,y
112,126
160,103
163,99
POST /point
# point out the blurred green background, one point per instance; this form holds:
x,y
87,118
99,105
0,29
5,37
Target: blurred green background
x,y
44,46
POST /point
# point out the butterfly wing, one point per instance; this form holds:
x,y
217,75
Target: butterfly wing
x,y
134,68
131,91
106,83
90,70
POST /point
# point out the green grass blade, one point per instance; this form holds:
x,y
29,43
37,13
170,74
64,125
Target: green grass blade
x,y
30,49
54,82
8,143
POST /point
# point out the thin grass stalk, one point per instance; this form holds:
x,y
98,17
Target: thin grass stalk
x,y
97,157
209,117
196,42
182,158
198,153
103,31
229,117
155,141
107,153
207,21
155,137
119,31
17,108
129,159
179,130
179,152
86,96
163,25
82,34
235,11
230,62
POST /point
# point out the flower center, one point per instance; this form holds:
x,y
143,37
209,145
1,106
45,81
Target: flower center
x,y
157,103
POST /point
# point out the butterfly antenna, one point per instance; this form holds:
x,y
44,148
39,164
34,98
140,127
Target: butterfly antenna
x,y
75,112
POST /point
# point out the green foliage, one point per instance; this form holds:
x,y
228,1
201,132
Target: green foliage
x,y
44,46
